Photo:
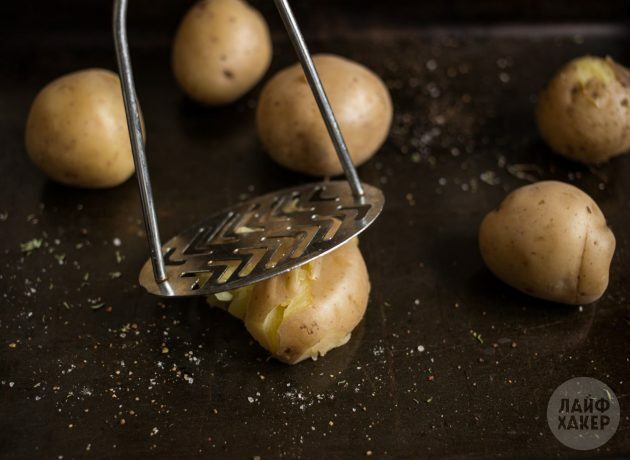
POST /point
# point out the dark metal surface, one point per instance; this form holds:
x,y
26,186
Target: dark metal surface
x,y
138,376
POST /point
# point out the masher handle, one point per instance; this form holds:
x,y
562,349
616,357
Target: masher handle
x,y
135,126
137,142
320,96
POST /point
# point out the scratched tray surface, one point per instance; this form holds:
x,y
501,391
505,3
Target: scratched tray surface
x,y
448,362
263,237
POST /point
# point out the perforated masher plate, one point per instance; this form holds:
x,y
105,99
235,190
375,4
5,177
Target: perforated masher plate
x,y
263,237
259,238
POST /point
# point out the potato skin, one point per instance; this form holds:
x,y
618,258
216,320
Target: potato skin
x,y
308,311
549,240
222,48
584,112
290,125
76,131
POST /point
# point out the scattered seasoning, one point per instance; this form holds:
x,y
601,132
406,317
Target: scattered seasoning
x,y
12,345
477,336
60,258
114,275
524,171
31,245
4,216
97,306
119,256
428,400
165,350
490,178
66,304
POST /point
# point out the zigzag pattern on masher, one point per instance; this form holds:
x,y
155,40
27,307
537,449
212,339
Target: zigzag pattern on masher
x,y
266,236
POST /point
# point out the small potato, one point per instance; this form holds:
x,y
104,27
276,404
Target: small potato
x,y
76,131
549,240
308,311
290,125
584,112
221,50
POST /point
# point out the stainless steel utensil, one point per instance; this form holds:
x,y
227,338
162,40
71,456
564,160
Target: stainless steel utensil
x,y
259,238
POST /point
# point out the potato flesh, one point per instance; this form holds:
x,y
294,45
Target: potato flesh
x,y
549,240
309,310
588,68
297,296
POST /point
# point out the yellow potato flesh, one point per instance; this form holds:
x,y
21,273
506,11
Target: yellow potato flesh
x,y
309,310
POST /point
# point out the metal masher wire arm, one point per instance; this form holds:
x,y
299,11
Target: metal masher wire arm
x,y
259,238
320,95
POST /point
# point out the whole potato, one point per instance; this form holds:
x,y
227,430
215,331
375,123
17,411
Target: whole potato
x,y
308,311
76,131
549,240
221,50
584,112
290,125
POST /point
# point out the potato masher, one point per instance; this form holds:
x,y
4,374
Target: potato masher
x,y
259,238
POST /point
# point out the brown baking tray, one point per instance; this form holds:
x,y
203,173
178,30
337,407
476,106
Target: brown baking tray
x,y
92,366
